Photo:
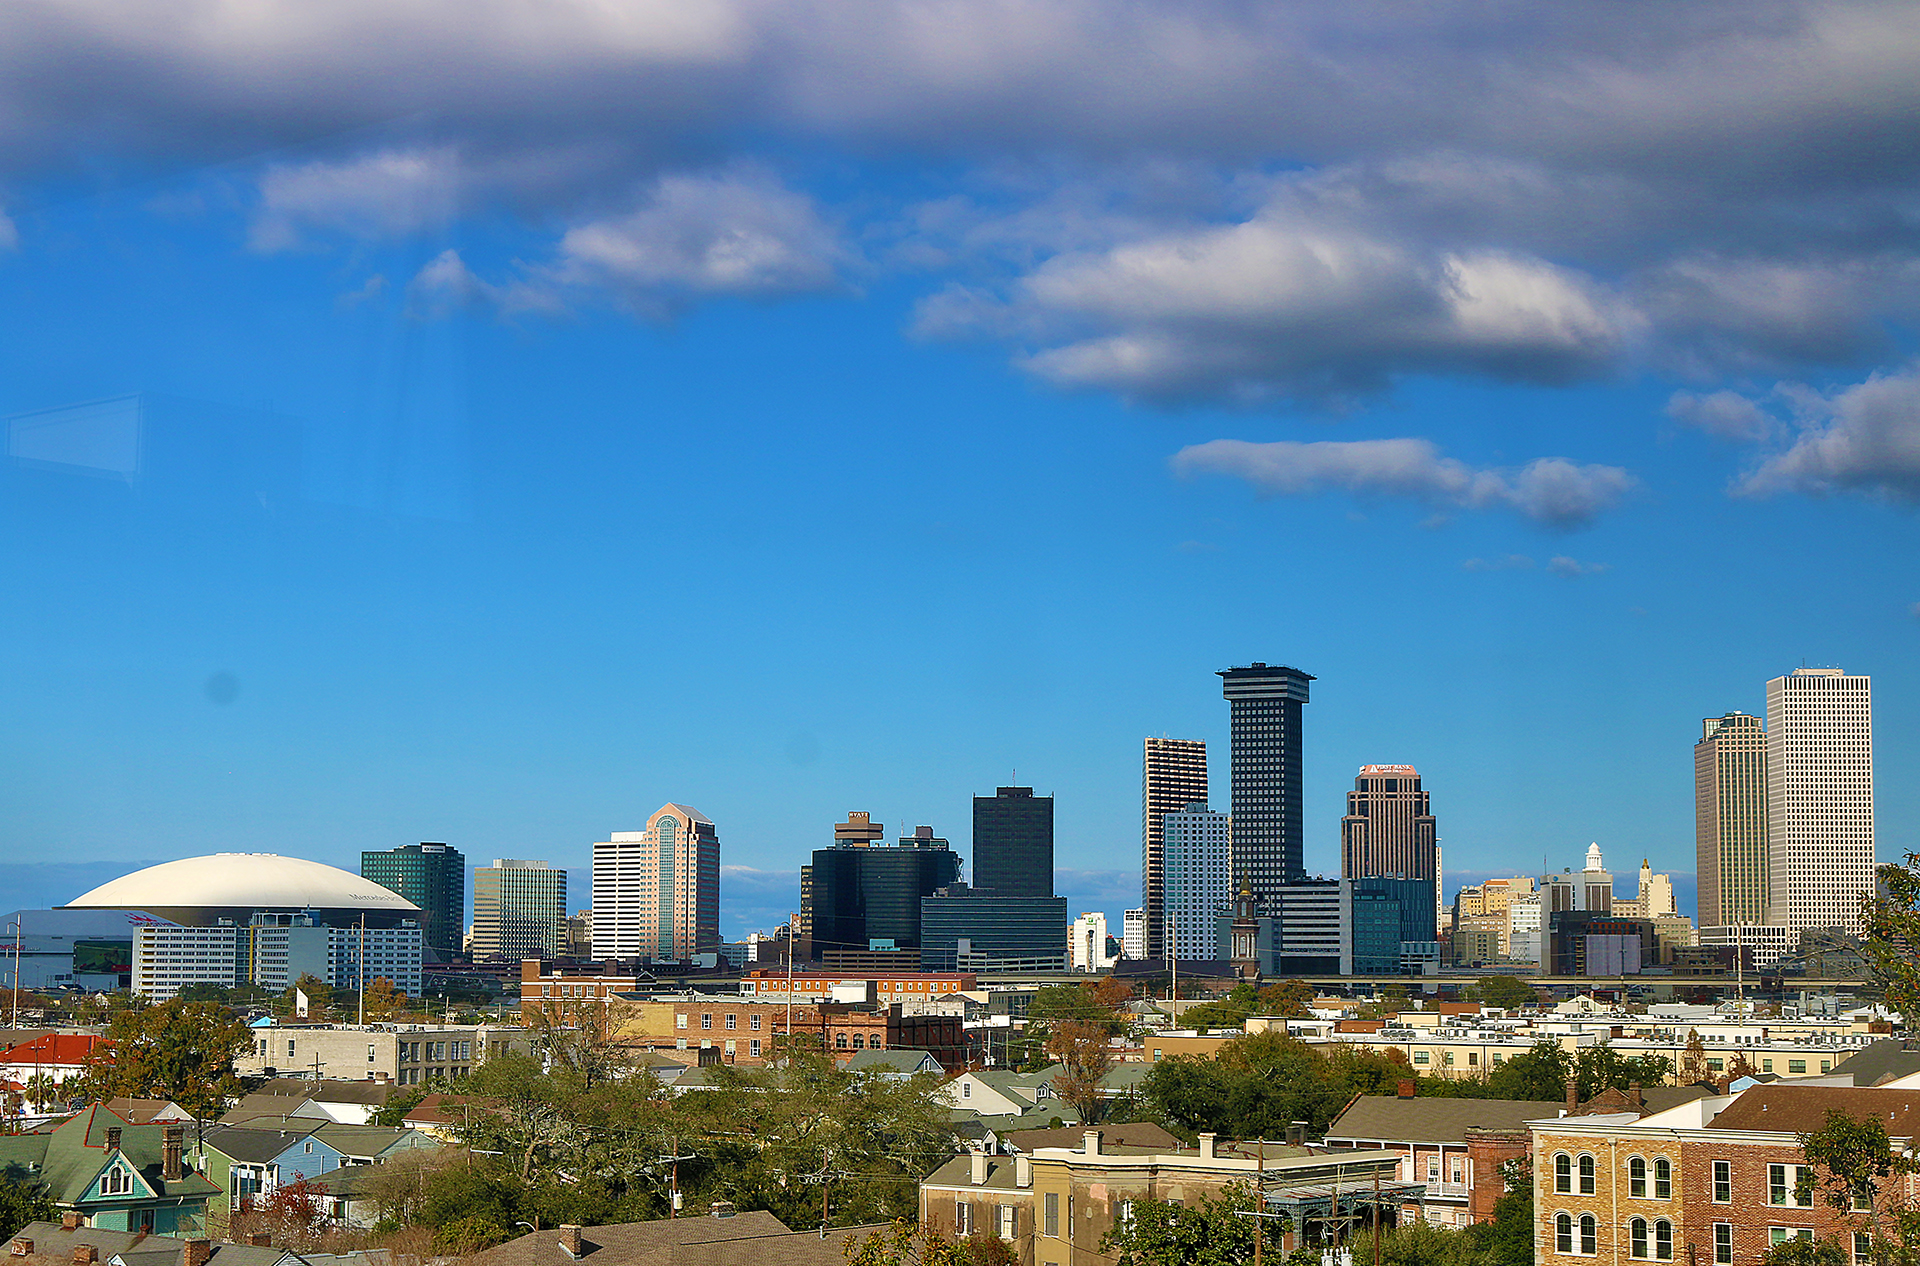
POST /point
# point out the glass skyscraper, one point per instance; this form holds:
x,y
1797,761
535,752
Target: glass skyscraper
x,y
1173,775
433,877
1013,844
1264,705
519,911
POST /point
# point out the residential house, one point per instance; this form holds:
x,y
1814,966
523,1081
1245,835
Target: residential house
x,y
722,1238
71,1243
147,1111
896,1065
998,1092
42,1063
249,1164
112,1174
1435,1142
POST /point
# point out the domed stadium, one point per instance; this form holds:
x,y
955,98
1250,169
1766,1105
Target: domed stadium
x,y
204,891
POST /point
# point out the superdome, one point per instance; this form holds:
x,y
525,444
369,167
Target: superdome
x,y
204,890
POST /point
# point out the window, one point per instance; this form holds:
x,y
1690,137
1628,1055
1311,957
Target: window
x,y
840,1041
1637,1180
680,1021
369,1052
1419,1057
1862,1248
1716,1065
1126,1213
729,1021
1563,1175
966,1090
706,1019
309,1147
1663,1240
1563,1233
859,1042
680,1044
1637,1238
1766,1065
1662,1178
730,1042
1053,1214
1589,1237
963,1218
753,1022
1790,1185
1863,1198
1723,1244
1007,1223
1778,1235
1586,1175
116,1182
1433,1169
1796,1065
1446,1058
753,1047
1473,1059
1723,1182
1826,1065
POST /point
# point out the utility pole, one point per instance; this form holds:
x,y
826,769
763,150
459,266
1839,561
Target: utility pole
x,y
1260,1201
362,970
1376,1215
17,932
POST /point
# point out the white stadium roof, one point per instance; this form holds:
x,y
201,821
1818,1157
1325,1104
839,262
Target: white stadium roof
x,y
243,881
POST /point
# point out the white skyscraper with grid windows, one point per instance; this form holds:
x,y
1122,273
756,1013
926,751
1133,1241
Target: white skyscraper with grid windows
x,y
1197,851
1819,799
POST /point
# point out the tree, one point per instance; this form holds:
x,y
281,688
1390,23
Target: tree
x,y
1508,1239
1693,1060
1080,1048
319,996
1539,1073
1854,1158
183,1051
1508,992
1891,917
381,1000
1800,1250
21,1204
295,1216
901,1244
1289,998
1601,1068
1213,1232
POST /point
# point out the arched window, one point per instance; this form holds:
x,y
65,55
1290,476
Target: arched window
x,y
1563,1173
1663,1240
859,1042
840,1041
1563,1233
1589,1235
1662,1178
1586,1174
1637,1238
1637,1179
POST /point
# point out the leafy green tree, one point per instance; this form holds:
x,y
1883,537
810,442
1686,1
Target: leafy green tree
x,y
899,1243
183,1051
1854,1158
21,1204
1215,1231
1509,992
1803,1251
1258,1085
1541,1072
1891,916
1601,1068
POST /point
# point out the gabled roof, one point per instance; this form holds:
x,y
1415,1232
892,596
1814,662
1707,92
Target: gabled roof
x,y
147,1111
67,1160
55,1048
746,1239
252,1146
1793,1109
53,1245
899,1060
1387,1119
1877,1062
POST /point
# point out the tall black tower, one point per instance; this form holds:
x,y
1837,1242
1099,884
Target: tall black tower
x,y
1013,843
1267,848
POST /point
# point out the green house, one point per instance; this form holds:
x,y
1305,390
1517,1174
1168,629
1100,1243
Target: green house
x,y
116,1175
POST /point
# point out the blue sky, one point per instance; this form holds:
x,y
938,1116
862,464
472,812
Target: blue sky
x,y
793,409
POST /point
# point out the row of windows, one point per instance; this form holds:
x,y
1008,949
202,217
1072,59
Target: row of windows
x,y
1788,1186
706,1021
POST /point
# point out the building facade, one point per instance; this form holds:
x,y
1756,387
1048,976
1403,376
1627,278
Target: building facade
x,y
1264,704
867,896
966,930
519,910
1173,775
1389,828
1133,940
433,877
656,893
1197,882
273,951
1013,843
1730,819
1819,799
1088,942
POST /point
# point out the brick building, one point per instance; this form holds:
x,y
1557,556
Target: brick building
x,y
1435,1140
730,1029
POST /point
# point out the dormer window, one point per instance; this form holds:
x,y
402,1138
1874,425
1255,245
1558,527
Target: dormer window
x,y
116,1182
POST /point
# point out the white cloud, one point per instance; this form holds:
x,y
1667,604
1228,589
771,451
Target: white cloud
x,y
739,232
1511,562
387,193
1862,439
446,284
1726,414
1573,568
1551,491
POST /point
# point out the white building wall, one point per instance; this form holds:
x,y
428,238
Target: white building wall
x,y
1197,878
1133,939
1819,798
1089,943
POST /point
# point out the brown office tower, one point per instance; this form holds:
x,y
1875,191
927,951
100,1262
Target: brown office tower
x,y
1730,819
1173,775
1389,829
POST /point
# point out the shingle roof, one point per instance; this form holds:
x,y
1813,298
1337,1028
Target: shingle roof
x,y
1879,1062
898,1060
1803,1109
253,1146
54,1048
72,1155
1138,1134
746,1239
53,1245
1389,1119
332,1090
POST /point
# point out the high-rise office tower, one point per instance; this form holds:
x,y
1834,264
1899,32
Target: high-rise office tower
x,y
433,877
1013,843
1133,939
1389,829
656,893
1197,879
1730,819
1264,705
861,896
1173,775
519,911
1819,799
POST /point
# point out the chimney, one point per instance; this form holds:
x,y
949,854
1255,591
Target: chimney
x,y
1090,1142
977,1168
259,1239
197,1251
21,1248
85,1255
172,1138
1573,1095
113,1138
69,1221
1406,1090
722,1209
1022,1170
571,1243
1206,1146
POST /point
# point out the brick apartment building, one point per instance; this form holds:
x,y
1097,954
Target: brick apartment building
x,y
730,1029
1713,1182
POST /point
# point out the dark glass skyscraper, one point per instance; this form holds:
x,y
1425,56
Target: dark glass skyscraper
x,y
1264,704
1173,775
433,877
859,894
1013,843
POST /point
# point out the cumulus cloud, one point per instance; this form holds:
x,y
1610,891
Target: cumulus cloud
x,y
1863,439
385,193
1573,568
1726,414
1550,491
